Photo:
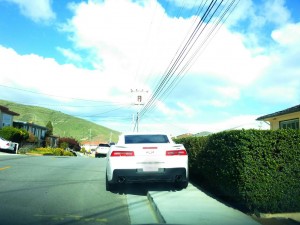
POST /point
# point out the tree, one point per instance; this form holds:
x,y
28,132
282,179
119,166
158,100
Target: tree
x,y
50,129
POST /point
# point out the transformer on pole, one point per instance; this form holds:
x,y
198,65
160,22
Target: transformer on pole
x,y
138,100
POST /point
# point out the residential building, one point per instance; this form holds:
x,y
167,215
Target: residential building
x,y
90,145
287,118
38,131
6,116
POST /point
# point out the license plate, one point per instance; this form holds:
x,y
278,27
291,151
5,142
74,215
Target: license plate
x,y
150,168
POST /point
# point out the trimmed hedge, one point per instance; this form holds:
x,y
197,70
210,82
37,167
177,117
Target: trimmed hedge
x,y
257,169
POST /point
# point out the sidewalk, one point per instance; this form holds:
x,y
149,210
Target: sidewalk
x,y
191,206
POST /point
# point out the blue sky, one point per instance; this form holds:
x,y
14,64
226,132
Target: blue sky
x,y
91,58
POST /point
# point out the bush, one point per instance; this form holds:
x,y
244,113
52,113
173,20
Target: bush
x,y
14,134
52,151
25,149
71,143
257,169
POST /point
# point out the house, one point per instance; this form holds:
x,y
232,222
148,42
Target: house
x,y
38,131
90,145
287,118
53,141
6,116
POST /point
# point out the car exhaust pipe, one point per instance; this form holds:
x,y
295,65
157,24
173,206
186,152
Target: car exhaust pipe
x,y
178,178
121,179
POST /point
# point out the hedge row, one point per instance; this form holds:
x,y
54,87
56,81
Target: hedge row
x,y
257,169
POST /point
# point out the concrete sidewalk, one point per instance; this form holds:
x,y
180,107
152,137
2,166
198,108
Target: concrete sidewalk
x,y
192,206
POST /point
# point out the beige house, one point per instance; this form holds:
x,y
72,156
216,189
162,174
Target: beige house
x,y
287,118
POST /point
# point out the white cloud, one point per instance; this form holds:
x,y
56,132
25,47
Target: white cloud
x,y
45,75
137,46
276,12
69,54
36,10
288,35
186,110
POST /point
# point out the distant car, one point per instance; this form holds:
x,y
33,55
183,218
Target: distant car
x,y
101,150
146,158
7,145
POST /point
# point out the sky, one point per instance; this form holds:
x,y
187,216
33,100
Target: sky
x,y
202,65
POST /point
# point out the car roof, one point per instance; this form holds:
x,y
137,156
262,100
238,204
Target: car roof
x,y
144,133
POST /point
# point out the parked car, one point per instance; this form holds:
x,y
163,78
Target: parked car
x,y
101,150
146,158
6,145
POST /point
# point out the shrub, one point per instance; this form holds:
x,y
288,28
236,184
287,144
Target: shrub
x,y
14,134
52,151
72,143
257,169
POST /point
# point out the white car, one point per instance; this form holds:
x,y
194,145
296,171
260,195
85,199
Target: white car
x,y
146,158
7,145
101,150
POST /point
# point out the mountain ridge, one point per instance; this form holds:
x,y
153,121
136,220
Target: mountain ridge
x,y
64,125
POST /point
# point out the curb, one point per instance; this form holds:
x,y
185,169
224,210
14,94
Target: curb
x,y
293,216
155,209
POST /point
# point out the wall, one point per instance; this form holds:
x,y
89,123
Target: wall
x,y
274,121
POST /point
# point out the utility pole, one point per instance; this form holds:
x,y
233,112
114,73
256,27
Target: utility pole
x,y
138,100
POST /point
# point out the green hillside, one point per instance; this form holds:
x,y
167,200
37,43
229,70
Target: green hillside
x,y
63,125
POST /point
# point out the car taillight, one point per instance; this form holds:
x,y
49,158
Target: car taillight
x,y
175,152
122,153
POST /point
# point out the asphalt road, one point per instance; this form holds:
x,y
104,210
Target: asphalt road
x,y
57,190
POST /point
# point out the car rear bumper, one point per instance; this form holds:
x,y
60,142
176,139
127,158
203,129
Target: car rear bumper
x,y
139,176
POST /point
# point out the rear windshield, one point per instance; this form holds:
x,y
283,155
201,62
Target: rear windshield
x,y
146,139
104,145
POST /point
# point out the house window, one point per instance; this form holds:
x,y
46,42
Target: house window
x,y
291,124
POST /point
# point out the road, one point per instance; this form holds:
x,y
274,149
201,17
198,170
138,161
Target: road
x,y
57,190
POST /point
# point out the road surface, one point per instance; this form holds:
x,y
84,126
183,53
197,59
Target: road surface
x,y
57,190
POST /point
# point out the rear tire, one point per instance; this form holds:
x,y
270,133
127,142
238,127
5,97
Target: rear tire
x,y
181,185
109,186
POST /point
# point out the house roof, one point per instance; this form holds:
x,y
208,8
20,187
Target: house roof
x,y
21,123
282,112
7,111
95,143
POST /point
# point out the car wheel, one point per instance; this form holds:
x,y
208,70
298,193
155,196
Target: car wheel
x,y
109,186
181,185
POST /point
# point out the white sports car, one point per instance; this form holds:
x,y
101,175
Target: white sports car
x,y
146,158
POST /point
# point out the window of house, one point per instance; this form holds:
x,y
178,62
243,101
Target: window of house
x,y
292,124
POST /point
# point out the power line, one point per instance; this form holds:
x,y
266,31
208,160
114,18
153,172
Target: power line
x,y
176,61
185,57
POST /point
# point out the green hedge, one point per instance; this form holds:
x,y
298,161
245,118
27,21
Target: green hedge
x,y
257,169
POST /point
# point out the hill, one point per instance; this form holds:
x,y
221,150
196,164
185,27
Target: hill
x,y
63,125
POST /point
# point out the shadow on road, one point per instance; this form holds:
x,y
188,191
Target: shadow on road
x,y
143,188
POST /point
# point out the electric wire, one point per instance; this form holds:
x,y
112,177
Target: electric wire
x,y
191,61
178,60
162,90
